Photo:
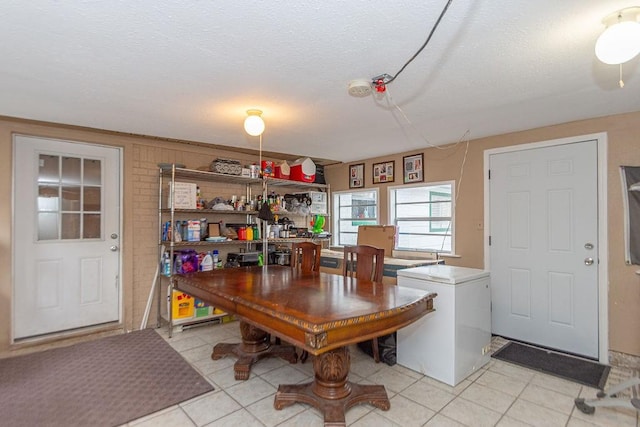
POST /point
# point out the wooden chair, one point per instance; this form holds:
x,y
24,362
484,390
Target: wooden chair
x,y
305,256
364,262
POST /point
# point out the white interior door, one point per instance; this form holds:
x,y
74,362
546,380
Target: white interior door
x,y
66,230
544,246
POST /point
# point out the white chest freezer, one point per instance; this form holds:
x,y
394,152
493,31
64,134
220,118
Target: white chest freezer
x,y
452,342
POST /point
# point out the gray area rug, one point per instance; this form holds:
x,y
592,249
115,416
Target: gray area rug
x,y
106,382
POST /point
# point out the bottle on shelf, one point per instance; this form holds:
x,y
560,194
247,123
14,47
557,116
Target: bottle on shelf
x,y
215,258
166,264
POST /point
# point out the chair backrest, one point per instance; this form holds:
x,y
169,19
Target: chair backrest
x,y
305,256
367,260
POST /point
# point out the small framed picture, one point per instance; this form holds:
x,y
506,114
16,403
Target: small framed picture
x,y
356,175
383,172
412,168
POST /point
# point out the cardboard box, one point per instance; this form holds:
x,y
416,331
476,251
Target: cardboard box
x,y
332,261
380,236
193,230
213,229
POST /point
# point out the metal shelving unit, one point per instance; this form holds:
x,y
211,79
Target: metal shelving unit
x,y
170,174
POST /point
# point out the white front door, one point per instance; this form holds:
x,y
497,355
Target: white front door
x,y
66,234
544,246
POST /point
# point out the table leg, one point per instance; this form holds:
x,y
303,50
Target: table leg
x,y
255,345
331,392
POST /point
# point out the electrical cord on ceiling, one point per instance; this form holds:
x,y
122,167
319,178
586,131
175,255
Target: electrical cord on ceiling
x,y
385,79
391,104
465,138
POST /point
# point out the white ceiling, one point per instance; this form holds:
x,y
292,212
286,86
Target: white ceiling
x,y
189,70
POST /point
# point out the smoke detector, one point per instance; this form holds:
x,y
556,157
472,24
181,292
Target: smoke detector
x,y
360,88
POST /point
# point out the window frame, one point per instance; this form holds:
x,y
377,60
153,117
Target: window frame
x,y
391,197
335,214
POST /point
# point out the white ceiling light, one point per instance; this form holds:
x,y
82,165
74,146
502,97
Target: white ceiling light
x,y
620,42
253,124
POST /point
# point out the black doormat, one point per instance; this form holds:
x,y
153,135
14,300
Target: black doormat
x,y
564,366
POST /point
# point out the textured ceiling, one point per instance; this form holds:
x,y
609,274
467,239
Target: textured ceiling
x,y
189,70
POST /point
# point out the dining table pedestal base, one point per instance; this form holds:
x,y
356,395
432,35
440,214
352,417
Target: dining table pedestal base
x,y
331,392
255,345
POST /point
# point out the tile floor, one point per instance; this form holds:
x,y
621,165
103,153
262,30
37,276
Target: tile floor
x,y
500,394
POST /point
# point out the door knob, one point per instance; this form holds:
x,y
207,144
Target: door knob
x,y
588,261
113,248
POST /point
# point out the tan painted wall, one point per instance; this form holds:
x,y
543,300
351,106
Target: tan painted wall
x,y
139,244
623,149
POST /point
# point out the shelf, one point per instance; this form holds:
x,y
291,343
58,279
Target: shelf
x,y
276,182
209,243
238,179
210,176
209,211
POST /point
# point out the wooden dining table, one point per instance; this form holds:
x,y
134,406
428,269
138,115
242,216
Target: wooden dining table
x,y
318,312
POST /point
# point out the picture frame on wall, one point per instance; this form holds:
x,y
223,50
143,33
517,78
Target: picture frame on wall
x,y
356,175
383,172
412,168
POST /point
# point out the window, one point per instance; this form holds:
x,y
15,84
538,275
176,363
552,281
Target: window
x,y
350,210
424,216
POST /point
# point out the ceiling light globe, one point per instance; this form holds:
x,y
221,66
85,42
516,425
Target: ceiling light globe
x,y
253,124
619,43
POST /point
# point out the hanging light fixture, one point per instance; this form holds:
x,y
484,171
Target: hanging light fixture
x,y
620,42
253,124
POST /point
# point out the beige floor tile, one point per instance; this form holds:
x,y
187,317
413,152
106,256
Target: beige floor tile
x,y
239,418
250,391
608,417
536,415
556,384
511,370
441,421
548,398
506,421
210,408
392,380
502,382
307,418
459,388
197,353
488,397
470,413
375,419
427,395
286,374
264,411
406,412
170,417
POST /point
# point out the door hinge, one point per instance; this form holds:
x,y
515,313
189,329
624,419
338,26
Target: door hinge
x,y
489,240
489,173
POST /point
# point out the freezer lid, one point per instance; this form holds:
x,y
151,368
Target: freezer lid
x,y
443,273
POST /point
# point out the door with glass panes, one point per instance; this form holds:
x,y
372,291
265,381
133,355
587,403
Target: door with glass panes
x,y
66,235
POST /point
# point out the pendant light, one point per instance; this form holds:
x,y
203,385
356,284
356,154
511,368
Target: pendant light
x,y
253,124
